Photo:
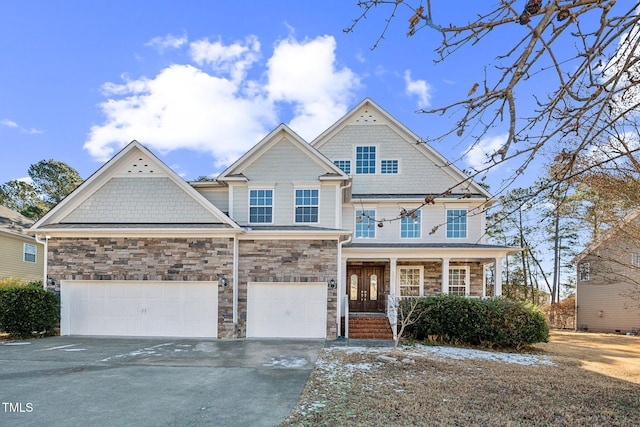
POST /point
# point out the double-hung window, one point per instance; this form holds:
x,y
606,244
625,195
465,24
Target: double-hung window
x,y
366,160
456,223
410,281
306,205
30,252
261,206
410,226
458,281
365,224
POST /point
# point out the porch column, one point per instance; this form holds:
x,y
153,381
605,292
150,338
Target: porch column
x,y
393,285
445,275
342,286
497,290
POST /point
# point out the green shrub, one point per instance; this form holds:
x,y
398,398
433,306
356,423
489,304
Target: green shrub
x,y
28,309
486,322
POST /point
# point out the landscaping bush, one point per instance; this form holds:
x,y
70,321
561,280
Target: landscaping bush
x,y
28,309
492,323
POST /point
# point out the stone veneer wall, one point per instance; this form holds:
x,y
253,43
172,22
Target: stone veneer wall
x,y
287,261
153,259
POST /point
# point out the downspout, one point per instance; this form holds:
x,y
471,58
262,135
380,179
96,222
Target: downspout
x,y
341,290
45,242
235,286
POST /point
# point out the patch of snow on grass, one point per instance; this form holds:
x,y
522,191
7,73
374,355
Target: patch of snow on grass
x,y
467,353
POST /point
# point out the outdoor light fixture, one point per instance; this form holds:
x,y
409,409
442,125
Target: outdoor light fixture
x,y
222,281
332,283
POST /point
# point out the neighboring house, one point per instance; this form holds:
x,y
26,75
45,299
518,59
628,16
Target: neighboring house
x,y
21,255
282,244
608,280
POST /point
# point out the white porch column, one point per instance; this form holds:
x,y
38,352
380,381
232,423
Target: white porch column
x,y
445,275
393,279
497,290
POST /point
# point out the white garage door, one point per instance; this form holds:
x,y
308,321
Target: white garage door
x,y
287,310
139,308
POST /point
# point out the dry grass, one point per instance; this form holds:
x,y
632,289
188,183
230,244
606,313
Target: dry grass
x,y
592,380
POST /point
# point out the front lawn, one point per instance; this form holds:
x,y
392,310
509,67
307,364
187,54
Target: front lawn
x,y
576,379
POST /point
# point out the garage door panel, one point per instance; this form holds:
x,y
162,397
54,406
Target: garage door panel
x,y
138,308
286,310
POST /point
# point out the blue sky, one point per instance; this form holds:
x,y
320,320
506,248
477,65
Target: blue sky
x,y
200,82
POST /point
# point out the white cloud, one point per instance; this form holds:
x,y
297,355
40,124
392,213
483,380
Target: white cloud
x,y
11,124
419,88
166,42
480,153
8,123
211,106
233,60
305,75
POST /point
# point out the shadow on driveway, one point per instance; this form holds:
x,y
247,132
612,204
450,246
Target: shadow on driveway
x,y
80,381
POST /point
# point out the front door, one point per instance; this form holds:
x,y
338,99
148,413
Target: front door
x,y
365,288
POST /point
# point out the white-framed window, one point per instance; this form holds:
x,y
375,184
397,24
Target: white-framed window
x,y
365,224
389,166
635,260
459,281
410,279
366,160
306,205
456,223
583,271
345,165
410,226
261,206
30,252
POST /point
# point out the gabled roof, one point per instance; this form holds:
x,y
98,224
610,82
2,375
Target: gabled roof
x,y
15,224
235,171
609,234
122,163
410,138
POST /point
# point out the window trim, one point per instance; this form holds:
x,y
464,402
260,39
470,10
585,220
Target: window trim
x,y
410,267
466,223
25,253
273,203
375,161
467,279
355,224
295,205
419,236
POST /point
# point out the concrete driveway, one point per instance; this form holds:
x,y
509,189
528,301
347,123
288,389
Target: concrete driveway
x,y
72,381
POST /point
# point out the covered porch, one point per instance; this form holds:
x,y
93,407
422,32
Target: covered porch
x,y
371,275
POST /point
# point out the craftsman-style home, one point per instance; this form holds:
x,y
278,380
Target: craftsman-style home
x,y
288,241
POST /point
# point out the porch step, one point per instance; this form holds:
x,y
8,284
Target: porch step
x,y
370,327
